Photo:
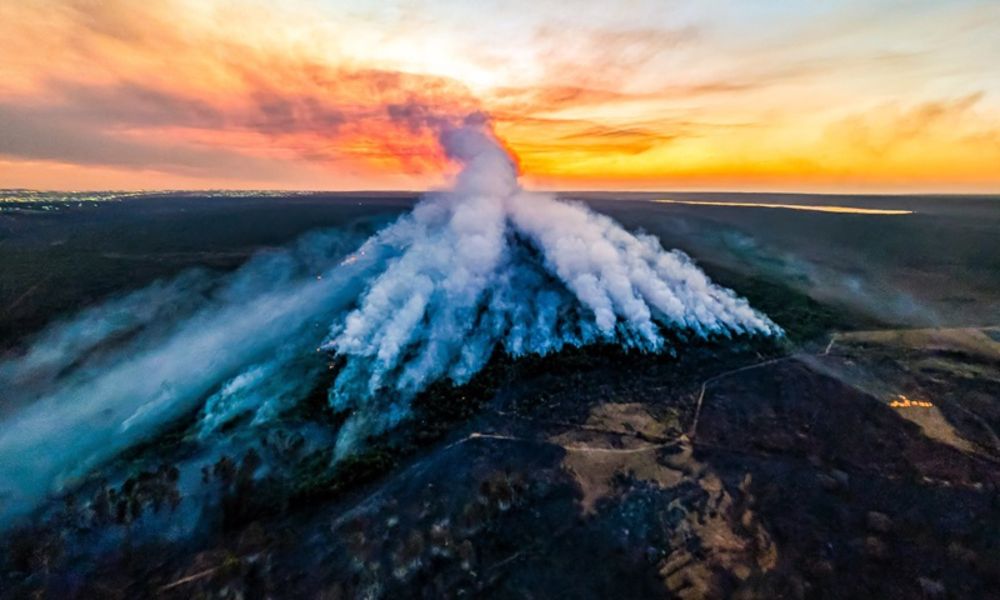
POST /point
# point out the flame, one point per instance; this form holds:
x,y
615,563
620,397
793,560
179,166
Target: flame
x,y
904,402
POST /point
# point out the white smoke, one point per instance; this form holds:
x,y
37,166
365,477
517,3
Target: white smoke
x,y
489,265
76,412
483,267
63,345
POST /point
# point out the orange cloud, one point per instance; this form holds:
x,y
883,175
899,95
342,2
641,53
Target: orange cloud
x,y
240,94
933,141
213,106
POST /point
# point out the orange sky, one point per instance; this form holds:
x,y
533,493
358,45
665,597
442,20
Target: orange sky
x,y
328,94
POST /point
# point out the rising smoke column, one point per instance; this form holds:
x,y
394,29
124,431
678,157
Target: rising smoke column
x,y
482,267
488,265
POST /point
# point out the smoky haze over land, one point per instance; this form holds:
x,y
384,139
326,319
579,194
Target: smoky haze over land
x,y
479,268
234,309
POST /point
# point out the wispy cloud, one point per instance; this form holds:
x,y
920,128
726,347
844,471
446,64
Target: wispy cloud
x,y
234,92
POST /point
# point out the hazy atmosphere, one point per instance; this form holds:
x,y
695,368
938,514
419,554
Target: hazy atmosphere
x,y
544,300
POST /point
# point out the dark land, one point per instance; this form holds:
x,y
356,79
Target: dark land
x,y
857,458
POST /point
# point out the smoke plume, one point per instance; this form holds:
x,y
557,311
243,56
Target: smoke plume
x,y
482,267
489,265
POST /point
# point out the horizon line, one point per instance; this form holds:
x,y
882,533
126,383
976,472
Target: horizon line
x,y
645,192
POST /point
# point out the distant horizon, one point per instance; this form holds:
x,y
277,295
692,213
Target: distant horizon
x,y
418,192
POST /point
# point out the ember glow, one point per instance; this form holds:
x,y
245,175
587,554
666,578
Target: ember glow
x,y
902,401
312,94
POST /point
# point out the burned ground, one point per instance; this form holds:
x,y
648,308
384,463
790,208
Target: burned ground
x,y
855,459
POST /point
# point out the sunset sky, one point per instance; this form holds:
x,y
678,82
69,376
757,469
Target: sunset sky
x,y
811,95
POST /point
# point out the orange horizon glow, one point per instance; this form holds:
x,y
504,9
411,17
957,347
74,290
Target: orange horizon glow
x,y
333,95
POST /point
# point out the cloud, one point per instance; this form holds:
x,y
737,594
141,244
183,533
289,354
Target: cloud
x,y
887,128
650,94
127,104
924,141
38,134
173,88
135,125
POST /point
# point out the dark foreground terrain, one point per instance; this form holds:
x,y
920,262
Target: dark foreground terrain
x,y
857,458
